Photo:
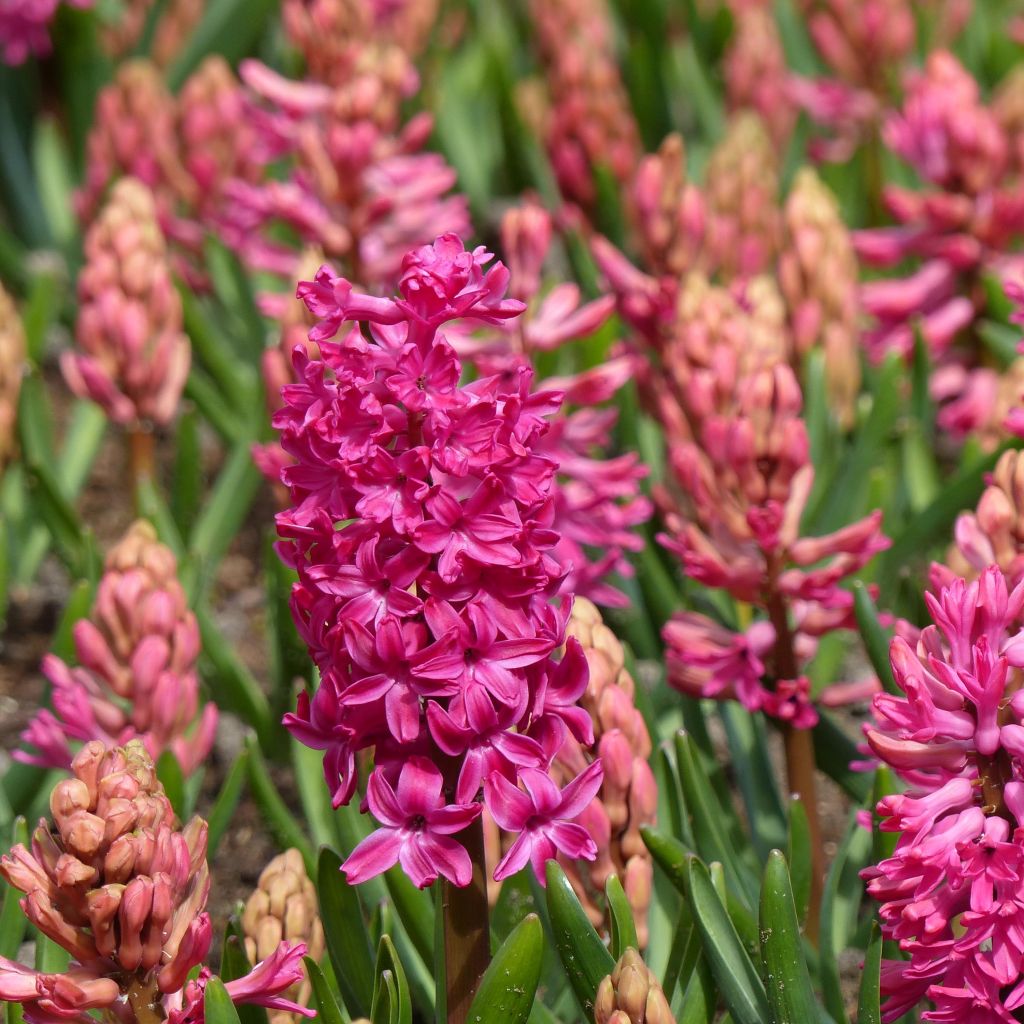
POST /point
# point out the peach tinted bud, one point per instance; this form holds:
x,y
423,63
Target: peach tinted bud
x,y
12,361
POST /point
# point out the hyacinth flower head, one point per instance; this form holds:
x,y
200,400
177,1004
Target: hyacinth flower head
x,y
950,892
25,28
136,675
360,186
964,224
631,994
419,530
120,885
132,356
589,124
597,501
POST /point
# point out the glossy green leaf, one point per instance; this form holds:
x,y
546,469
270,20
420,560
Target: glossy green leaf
x,y
217,1005
733,971
187,491
623,930
328,1010
414,909
868,1003
798,854
875,638
584,956
788,982
345,934
169,773
399,1009
700,997
509,984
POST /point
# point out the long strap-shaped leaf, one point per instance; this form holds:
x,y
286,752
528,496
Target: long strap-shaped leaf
x,y
509,985
790,995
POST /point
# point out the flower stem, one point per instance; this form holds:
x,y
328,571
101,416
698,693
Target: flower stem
x,y
141,459
467,933
800,766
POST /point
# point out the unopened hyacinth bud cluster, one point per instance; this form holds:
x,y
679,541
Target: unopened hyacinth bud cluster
x,y
284,908
596,501
360,186
132,356
120,885
136,674
965,223
420,534
628,798
590,125
631,994
12,362
950,891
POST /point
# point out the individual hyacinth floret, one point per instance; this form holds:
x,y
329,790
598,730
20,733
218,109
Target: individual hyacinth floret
x,y
136,674
419,532
122,887
950,892
132,357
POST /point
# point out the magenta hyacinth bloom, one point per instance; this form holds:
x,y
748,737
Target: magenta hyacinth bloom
x,y
421,532
417,829
950,893
25,27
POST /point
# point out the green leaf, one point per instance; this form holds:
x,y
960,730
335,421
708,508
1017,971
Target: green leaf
x,y
833,752
623,929
217,1005
798,853
868,1003
733,970
186,494
234,964
329,1012
584,956
399,1010
415,909
313,793
700,998
345,935
876,640
790,994
227,800
12,920
229,27
282,822
169,773
509,984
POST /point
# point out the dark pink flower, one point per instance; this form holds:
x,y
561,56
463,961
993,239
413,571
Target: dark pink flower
x,y
417,829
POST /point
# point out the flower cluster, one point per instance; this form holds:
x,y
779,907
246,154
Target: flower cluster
x,y
119,885
589,127
284,907
596,500
185,149
12,360
631,995
360,186
628,798
420,534
950,892
136,676
24,27
133,356
963,225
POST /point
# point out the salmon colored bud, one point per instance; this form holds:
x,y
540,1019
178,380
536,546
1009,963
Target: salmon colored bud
x,y
638,884
12,363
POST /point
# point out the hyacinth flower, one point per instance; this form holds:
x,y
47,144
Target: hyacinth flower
x,y
132,356
631,994
419,533
756,75
120,885
950,891
185,149
588,124
25,28
597,502
136,675
962,226
12,360
360,186
284,908
334,36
